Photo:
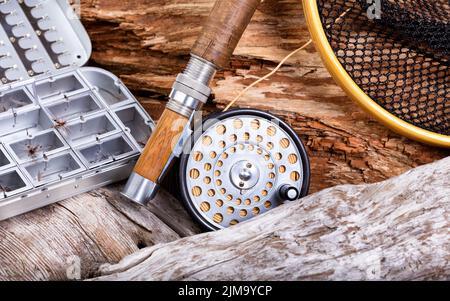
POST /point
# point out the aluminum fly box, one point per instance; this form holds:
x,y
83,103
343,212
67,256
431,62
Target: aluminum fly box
x,y
64,129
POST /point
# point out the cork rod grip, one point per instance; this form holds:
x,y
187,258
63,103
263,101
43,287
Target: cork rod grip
x,y
159,148
223,30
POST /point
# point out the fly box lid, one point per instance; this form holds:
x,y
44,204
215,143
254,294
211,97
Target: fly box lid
x,y
66,129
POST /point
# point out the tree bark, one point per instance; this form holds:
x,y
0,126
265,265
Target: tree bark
x,y
147,42
393,230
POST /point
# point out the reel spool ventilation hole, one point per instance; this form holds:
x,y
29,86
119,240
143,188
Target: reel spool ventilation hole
x,y
244,163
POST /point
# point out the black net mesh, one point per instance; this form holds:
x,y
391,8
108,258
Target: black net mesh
x,y
400,60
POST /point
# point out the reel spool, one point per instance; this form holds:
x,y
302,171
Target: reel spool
x,y
242,163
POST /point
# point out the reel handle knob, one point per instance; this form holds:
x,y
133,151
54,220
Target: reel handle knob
x,y
289,193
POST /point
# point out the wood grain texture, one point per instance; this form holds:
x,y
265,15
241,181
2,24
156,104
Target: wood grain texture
x,y
159,148
394,230
223,29
147,42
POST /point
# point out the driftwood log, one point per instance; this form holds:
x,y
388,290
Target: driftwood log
x,y
70,240
394,230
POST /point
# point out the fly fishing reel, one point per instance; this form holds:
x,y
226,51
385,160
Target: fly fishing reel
x,y
242,163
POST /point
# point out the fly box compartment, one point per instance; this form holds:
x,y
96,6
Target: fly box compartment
x,y
65,129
